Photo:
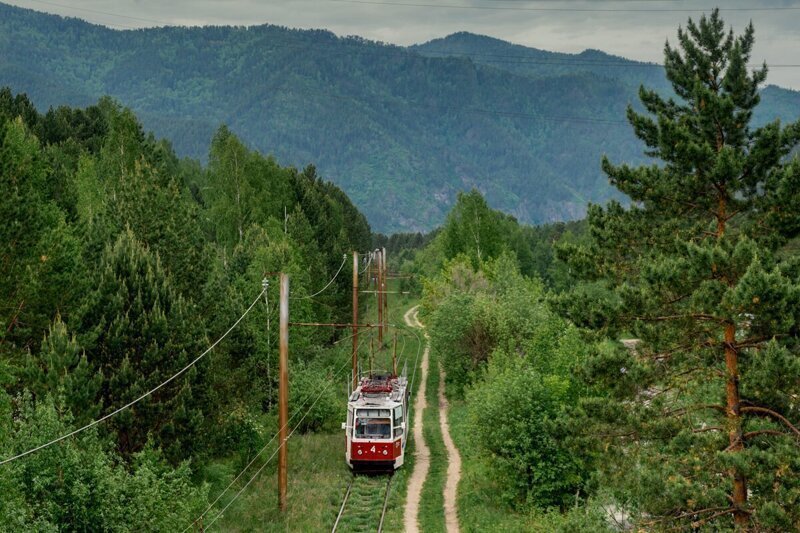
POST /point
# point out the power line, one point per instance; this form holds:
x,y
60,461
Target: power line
x,y
140,398
258,454
524,59
87,10
568,9
368,264
261,468
344,259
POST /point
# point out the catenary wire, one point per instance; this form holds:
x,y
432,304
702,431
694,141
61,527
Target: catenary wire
x,y
568,9
140,398
258,454
323,289
261,468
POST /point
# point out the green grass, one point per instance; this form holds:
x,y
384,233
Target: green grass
x,y
431,514
318,475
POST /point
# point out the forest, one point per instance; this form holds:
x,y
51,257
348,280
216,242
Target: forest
x,y
413,125
635,370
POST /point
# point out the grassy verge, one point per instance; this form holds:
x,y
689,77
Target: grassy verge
x,y
399,491
317,478
431,513
318,474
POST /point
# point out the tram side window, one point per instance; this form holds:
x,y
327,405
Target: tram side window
x,y
398,420
373,424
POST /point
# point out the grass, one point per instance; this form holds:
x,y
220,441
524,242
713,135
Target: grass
x,y
318,474
431,515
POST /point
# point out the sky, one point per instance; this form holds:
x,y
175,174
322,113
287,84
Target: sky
x,y
636,29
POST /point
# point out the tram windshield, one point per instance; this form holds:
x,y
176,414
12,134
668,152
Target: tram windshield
x,y
373,424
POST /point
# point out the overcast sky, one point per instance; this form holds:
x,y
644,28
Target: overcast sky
x,y
636,29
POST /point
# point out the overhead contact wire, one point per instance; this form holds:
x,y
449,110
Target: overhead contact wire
x,y
323,289
261,468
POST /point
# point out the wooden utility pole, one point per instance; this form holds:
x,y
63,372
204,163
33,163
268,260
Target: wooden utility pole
x,y
384,287
355,320
394,355
283,392
379,285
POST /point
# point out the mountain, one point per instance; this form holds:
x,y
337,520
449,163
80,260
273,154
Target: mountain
x,y
401,130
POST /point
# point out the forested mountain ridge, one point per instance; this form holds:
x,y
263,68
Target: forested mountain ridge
x,y
383,122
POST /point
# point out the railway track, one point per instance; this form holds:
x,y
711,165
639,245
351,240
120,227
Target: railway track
x,y
364,504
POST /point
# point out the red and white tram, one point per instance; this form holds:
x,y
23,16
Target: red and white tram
x,y
376,423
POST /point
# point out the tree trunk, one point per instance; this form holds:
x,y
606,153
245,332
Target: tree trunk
x,y
733,413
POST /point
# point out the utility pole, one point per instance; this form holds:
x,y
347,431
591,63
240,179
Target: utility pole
x,y
283,392
384,263
394,355
379,284
355,320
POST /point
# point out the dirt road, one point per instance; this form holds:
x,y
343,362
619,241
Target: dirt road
x,y
422,454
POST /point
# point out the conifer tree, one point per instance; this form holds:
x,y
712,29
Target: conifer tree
x,y
61,369
704,409
139,334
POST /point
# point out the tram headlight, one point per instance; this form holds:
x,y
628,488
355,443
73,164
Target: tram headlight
x,y
360,452
385,452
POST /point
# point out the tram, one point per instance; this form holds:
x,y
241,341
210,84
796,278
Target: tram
x,y
376,430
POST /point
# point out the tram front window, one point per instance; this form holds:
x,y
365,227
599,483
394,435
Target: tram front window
x,y
373,424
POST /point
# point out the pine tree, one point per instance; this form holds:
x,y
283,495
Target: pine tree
x,y
705,413
139,333
61,369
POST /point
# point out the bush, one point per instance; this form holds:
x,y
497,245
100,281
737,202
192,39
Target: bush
x,y
515,415
81,485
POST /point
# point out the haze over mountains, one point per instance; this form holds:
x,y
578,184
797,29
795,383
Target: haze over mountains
x,y
402,130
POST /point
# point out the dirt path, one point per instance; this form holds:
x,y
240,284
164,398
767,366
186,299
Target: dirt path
x,y
453,462
422,455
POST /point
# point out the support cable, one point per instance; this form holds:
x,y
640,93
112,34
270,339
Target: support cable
x,y
258,454
344,260
261,468
140,398
368,263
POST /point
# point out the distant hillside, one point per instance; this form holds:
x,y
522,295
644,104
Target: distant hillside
x,y
402,130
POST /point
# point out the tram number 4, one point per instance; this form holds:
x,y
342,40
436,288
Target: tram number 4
x,y
372,449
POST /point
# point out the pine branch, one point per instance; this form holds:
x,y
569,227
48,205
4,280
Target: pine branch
x,y
752,434
688,514
692,408
772,414
695,316
709,428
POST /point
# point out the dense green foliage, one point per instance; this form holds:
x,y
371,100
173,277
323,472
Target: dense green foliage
x,y
401,130
701,413
121,263
498,340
